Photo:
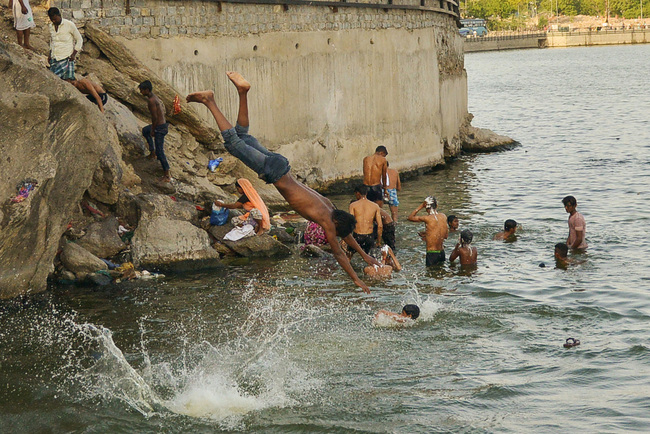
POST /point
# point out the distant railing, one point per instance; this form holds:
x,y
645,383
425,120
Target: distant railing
x,y
449,7
506,37
596,31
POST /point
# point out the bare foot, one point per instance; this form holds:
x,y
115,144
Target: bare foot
x,y
240,83
151,156
166,179
203,97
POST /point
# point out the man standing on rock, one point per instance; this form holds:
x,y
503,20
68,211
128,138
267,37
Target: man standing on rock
x,y
65,43
158,128
435,232
374,170
274,169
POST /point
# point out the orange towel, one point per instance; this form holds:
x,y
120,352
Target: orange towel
x,y
255,201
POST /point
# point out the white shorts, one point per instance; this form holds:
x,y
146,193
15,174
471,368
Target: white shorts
x,y
23,21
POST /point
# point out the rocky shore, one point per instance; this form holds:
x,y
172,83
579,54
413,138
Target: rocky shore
x,y
79,201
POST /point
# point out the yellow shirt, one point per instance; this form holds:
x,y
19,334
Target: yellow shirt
x,y
65,40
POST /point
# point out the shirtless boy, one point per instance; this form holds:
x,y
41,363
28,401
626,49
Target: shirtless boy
x,y
95,93
393,185
274,169
158,128
467,253
388,235
366,213
409,312
452,222
577,224
436,230
509,229
374,170
389,264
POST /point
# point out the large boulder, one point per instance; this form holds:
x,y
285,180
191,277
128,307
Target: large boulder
x,y
481,140
126,63
79,260
128,128
259,246
50,133
163,243
101,238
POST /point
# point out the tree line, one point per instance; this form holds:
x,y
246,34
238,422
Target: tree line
x,y
504,9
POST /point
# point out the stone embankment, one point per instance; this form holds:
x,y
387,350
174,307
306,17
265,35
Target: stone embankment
x,y
93,200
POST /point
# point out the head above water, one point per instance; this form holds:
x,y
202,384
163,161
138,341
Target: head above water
x,y
466,236
570,200
344,222
374,196
561,250
411,310
509,225
431,203
361,189
452,222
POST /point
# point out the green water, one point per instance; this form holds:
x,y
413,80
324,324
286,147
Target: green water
x,y
289,346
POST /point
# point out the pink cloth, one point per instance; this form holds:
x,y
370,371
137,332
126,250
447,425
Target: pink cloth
x,y
577,223
315,235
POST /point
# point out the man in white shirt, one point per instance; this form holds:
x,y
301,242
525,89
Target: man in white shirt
x,y
65,43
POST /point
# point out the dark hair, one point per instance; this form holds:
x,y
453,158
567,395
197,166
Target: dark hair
x,y
450,219
411,310
344,222
146,85
52,12
237,184
381,149
374,195
467,236
569,200
509,224
563,248
361,189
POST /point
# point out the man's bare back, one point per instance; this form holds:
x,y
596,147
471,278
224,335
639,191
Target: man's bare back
x,y
436,229
374,169
366,213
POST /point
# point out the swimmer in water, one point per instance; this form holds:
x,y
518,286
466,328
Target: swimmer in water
x,y
509,229
435,230
561,256
389,263
410,312
467,253
452,222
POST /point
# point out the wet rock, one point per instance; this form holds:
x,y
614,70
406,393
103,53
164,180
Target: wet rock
x,y
52,133
165,243
99,279
482,140
259,246
80,261
102,240
314,252
67,276
281,234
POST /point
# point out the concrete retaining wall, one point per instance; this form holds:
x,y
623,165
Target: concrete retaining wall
x,y
328,86
577,39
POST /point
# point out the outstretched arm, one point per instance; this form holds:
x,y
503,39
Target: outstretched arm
x,y
236,205
343,260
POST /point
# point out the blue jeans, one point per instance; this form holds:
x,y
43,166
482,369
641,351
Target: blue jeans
x,y
159,136
268,165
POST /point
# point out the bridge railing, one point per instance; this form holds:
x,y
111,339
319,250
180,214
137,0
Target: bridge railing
x,y
449,7
508,37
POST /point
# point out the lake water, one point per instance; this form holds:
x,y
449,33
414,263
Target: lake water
x,y
289,346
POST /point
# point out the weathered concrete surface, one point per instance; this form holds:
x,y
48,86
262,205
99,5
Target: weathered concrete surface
x,y
124,61
52,133
331,101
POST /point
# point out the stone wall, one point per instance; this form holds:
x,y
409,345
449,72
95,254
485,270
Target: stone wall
x,y
329,84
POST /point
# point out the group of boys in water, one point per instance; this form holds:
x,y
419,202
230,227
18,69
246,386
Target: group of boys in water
x,y
365,226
